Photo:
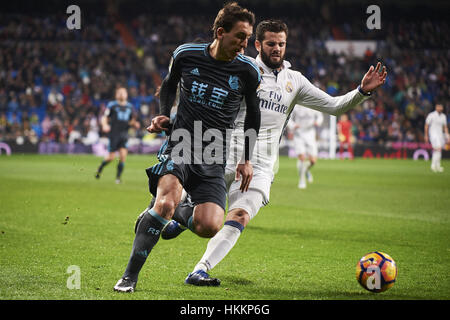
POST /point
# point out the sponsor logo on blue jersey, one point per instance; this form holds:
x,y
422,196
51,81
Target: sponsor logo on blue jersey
x,y
233,81
195,72
215,99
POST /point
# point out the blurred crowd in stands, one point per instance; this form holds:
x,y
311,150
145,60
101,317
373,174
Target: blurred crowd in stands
x,y
55,82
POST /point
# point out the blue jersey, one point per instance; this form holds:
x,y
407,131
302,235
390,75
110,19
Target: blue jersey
x,y
211,91
119,117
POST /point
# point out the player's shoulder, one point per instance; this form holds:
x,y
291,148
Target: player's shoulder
x,y
111,104
189,48
294,74
432,114
250,64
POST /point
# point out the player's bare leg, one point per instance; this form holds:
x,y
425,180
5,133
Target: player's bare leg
x,y
149,229
302,167
110,157
312,162
207,219
123,152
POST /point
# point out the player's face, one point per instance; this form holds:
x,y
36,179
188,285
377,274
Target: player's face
x,y
121,94
236,40
272,49
439,108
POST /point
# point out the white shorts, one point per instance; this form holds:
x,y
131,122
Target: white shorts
x,y
252,200
437,141
306,146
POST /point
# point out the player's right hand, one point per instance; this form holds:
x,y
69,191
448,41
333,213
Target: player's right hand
x,y
159,124
244,171
106,128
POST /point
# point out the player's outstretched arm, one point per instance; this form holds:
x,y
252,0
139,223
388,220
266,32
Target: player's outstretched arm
x,y
312,97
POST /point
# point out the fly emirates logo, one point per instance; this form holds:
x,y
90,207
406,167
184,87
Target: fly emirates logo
x,y
272,101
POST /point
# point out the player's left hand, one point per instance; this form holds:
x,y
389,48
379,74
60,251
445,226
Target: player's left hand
x,y
374,78
244,170
159,124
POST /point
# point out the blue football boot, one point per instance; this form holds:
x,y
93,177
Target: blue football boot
x,y
201,278
172,230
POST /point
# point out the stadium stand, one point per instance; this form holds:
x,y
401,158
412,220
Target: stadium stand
x,y
55,82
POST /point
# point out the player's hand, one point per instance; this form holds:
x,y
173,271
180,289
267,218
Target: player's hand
x,y
159,124
244,171
106,128
374,78
426,139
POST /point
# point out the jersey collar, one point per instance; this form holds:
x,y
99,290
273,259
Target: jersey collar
x,y
267,70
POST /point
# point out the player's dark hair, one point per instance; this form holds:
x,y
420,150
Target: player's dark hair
x,y
270,26
229,15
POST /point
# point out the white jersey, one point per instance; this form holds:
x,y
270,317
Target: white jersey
x,y
436,123
303,123
278,96
306,120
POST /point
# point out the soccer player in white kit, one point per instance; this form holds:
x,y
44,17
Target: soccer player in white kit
x,y
436,132
304,123
280,90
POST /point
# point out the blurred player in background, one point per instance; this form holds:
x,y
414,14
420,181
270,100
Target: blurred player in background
x,y
344,127
436,132
280,90
116,121
304,123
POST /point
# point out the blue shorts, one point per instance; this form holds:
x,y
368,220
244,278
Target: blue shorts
x,y
203,182
116,143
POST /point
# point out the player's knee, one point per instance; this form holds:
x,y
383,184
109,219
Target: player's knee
x,y
239,215
207,229
166,206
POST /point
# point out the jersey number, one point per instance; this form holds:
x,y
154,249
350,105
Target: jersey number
x,y
123,115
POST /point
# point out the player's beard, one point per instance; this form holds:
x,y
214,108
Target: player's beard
x,y
272,65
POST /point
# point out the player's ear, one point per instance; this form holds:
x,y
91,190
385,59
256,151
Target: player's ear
x,y
258,45
219,32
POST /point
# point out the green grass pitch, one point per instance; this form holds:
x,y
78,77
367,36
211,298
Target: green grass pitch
x,y
304,245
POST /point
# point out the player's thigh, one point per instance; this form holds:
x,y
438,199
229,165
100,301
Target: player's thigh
x,y
248,202
168,195
230,175
437,142
208,219
299,146
313,150
110,156
123,152
208,193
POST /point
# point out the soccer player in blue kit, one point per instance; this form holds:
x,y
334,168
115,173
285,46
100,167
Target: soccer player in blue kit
x,y
214,78
116,121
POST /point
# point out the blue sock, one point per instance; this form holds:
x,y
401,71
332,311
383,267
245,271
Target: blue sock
x,y
147,235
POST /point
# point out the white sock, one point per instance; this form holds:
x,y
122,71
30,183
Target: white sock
x,y
433,159
299,166
218,247
304,168
438,158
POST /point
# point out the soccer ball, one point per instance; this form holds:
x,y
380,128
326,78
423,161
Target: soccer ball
x,y
376,271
